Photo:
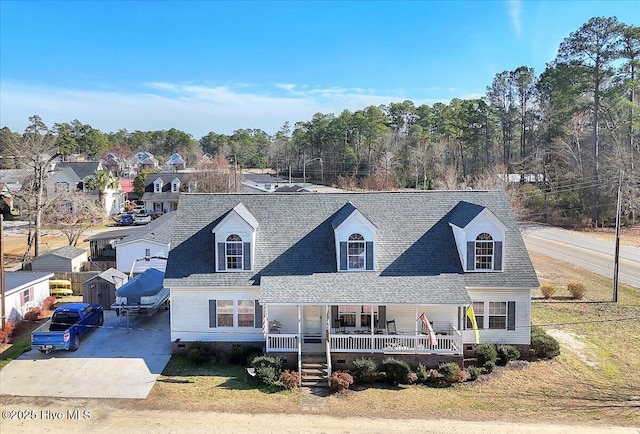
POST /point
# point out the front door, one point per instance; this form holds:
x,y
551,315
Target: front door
x,y
313,320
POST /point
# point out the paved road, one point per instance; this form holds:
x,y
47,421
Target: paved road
x,y
112,362
583,251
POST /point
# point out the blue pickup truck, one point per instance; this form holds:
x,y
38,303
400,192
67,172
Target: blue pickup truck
x,y
67,324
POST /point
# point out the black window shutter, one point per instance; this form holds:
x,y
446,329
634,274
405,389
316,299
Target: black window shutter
x,y
511,315
246,256
497,256
212,313
369,255
343,255
471,255
222,260
382,317
334,315
258,315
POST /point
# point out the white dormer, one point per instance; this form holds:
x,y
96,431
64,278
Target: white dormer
x,y
355,238
235,240
157,185
479,236
175,185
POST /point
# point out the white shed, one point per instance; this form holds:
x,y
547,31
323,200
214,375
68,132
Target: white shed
x,y
67,259
24,290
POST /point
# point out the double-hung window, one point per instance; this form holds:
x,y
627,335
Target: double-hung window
x,y
356,252
224,310
233,252
246,313
484,252
497,315
347,315
478,310
365,316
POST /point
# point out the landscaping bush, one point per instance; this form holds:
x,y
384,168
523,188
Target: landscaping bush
x,y
396,371
199,353
577,290
489,366
243,354
7,332
543,345
268,370
486,353
33,314
451,372
423,373
547,290
506,354
49,302
290,380
365,369
340,381
473,373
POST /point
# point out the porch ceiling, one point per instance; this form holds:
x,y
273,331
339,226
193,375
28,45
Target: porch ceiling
x,y
364,288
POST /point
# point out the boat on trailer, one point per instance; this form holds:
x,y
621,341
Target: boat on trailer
x,y
143,295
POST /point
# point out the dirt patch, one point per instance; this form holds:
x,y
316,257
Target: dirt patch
x,y
571,342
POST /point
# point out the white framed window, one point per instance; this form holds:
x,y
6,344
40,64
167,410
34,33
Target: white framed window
x,y
478,309
175,186
365,316
233,252
157,187
484,251
356,252
246,313
224,312
26,294
347,315
497,315
147,253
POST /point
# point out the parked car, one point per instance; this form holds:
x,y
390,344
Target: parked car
x,y
142,219
125,219
67,324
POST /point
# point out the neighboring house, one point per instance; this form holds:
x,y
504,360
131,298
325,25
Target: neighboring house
x,y
6,200
175,163
145,161
74,177
67,259
103,245
143,249
348,274
162,191
293,188
258,183
101,289
24,290
112,163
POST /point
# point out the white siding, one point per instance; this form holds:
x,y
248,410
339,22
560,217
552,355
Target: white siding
x,y
190,315
522,333
15,310
407,317
286,315
127,253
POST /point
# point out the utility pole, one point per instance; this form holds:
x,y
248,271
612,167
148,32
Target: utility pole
x,y
616,261
2,282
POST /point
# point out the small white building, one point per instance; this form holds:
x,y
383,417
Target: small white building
x,y
146,247
24,290
67,259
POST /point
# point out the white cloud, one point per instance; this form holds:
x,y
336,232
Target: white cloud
x,y
515,9
195,109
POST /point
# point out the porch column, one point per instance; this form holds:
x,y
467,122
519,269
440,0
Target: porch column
x,y
300,343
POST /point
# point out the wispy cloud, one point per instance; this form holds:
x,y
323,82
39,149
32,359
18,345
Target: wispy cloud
x,y
193,108
515,13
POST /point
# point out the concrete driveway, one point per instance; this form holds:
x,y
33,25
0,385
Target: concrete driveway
x,y
112,362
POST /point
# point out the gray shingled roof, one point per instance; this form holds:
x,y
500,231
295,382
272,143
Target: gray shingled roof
x,y
464,212
160,197
111,275
159,230
81,169
68,252
295,257
14,280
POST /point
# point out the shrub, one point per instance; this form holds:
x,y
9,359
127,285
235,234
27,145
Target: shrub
x,y
365,369
489,366
577,290
33,314
199,352
49,302
473,373
423,373
543,345
290,380
547,290
486,353
7,332
506,354
396,371
340,381
268,369
243,354
451,372
434,376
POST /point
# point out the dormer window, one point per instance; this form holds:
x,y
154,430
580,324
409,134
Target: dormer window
x,y
175,186
233,252
157,186
484,252
356,252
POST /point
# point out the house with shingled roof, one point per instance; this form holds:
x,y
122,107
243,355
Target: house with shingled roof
x,y
343,275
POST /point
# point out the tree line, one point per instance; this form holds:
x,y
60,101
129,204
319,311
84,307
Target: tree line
x,y
570,129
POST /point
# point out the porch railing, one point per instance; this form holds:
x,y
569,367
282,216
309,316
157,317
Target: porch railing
x,y
282,342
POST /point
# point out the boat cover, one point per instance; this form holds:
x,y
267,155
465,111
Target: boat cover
x,y
143,285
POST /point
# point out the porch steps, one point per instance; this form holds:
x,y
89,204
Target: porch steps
x,y
314,370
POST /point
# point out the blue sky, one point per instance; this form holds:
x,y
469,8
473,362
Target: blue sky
x,y
219,66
